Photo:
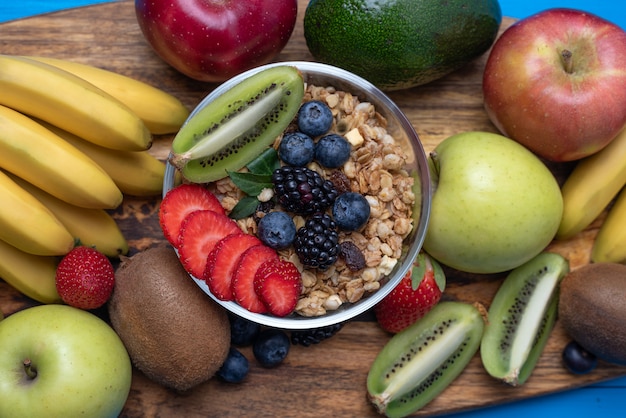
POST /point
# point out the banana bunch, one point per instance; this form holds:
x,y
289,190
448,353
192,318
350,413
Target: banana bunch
x,y
74,140
591,186
589,190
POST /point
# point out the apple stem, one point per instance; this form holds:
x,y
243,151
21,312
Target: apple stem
x,y
566,59
29,369
433,166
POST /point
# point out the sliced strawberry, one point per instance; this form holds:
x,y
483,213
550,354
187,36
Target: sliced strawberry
x,y
278,284
243,278
181,201
199,233
223,260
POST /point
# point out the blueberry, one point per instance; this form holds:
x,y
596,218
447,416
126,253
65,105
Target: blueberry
x,y
332,150
242,331
235,368
314,118
296,148
271,347
351,211
276,230
578,360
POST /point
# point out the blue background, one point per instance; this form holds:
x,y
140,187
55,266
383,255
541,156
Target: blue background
x,y
604,399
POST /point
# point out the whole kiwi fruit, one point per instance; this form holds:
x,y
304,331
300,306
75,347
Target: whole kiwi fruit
x,y
592,309
174,333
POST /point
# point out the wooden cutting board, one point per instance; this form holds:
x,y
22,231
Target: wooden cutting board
x,y
327,379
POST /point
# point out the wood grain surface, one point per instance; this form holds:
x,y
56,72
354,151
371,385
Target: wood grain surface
x,y
327,379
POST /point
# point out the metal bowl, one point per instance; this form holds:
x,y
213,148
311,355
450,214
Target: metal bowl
x,y
402,130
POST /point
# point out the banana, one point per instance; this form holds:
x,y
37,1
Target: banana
x,y
61,98
161,112
37,155
591,186
28,225
32,275
610,243
91,227
136,173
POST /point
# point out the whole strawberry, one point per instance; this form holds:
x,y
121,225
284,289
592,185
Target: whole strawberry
x,y
416,294
85,278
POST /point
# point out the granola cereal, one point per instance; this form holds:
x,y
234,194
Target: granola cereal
x,y
375,169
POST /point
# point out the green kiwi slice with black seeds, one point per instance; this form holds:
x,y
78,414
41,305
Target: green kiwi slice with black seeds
x,y
418,363
238,124
521,317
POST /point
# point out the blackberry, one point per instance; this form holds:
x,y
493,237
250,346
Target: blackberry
x,y
308,337
317,242
302,191
262,208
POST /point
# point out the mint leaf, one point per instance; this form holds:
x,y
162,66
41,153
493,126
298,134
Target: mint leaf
x,y
250,183
244,208
265,163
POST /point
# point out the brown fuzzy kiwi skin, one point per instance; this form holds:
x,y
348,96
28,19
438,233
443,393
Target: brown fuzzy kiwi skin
x,y
174,333
592,309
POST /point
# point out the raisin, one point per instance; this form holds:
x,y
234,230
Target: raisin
x,y
352,256
341,182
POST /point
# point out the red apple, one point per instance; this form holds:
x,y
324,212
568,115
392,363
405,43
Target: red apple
x,y
556,83
213,40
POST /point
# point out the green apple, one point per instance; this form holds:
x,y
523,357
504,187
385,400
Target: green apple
x,y
495,204
60,361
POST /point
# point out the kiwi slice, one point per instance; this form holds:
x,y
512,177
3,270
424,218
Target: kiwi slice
x,y
521,317
239,124
419,362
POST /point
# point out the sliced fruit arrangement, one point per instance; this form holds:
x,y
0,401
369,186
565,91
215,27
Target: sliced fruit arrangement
x,y
418,363
521,317
254,112
72,144
212,247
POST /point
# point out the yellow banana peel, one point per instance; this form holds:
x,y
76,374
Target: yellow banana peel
x,y
70,102
136,173
91,227
162,112
34,153
610,243
25,223
591,186
32,275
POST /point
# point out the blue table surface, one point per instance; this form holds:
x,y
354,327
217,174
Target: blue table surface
x,y
605,399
